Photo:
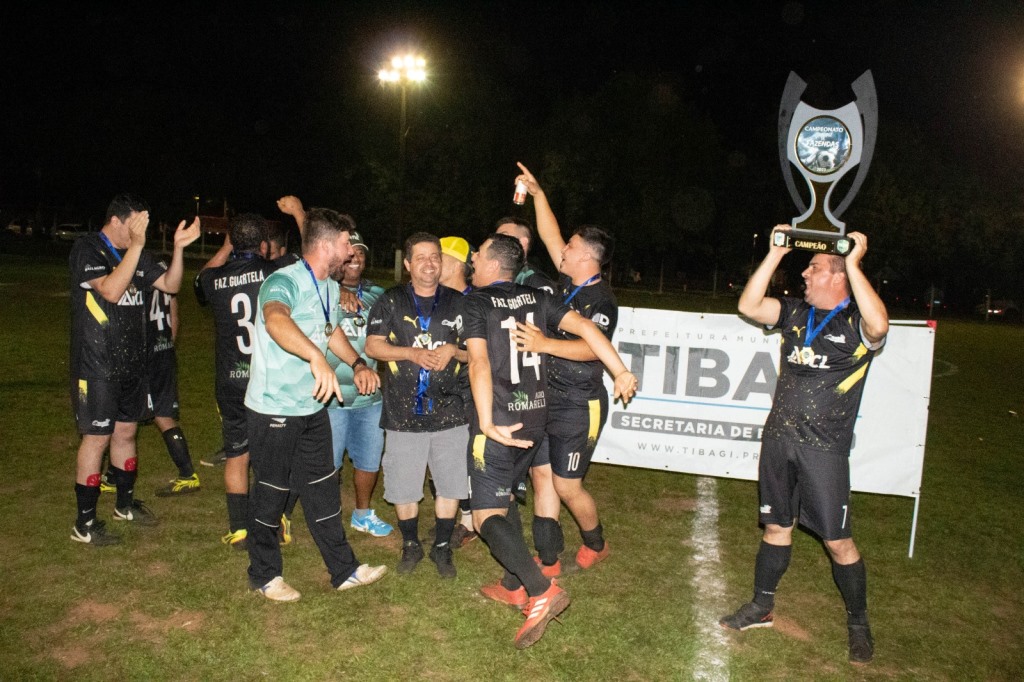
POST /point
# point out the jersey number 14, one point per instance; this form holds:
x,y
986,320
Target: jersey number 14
x,y
530,359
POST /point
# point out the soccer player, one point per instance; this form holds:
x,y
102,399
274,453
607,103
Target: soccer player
x,y
289,430
162,374
230,284
109,273
510,394
828,341
415,330
530,275
578,405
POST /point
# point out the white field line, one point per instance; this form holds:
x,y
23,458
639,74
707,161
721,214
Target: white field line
x,y
712,662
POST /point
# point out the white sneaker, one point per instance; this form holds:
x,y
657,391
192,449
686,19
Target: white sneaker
x,y
364,575
278,590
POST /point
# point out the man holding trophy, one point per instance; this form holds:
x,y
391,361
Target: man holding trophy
x,y
828,341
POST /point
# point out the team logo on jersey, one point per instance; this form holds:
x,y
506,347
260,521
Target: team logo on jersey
x,y
413,321
798,330
278,422
836,339
806,356
132,298
601,320
454,324
766,509
241,370
521,401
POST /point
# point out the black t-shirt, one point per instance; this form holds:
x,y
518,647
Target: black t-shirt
x,y
818,393
574,382
108,340
232,292
158,321
395,316
531,276
519,380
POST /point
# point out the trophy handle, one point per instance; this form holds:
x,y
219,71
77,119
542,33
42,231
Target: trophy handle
x,y
867,103
795,87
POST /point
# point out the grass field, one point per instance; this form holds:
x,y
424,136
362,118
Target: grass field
x,y
171,602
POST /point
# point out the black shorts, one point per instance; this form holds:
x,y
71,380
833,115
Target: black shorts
x,y
797,482
163,384
234,427
495,470
98,403
573,431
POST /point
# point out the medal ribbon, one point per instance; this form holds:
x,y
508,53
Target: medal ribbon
x,y
106,240
424,376
326,306
577,289
812,331
243,255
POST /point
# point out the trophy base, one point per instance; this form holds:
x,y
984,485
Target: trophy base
x,y
818,242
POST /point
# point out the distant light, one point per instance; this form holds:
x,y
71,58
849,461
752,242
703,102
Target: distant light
x,y
404,68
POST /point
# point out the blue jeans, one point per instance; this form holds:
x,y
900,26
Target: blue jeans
x,y
357,429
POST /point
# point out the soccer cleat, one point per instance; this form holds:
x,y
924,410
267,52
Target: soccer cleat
x,y
215,460
552,571
499,593
179,486
462,536
278,590
236,539
412,554
284,531
106,484
94,533
862,644
138,513
540,610
586,557
750,615
441,555
364,575
371,524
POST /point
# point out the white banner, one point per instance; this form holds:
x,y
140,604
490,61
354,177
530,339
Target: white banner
x,y
706,384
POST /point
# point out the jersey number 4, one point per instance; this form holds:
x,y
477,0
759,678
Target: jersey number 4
x,y
530,359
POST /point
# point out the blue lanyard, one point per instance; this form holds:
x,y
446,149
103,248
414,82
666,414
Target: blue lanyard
x,y
106,240
326,306
577,289
812,331
424,405
244,255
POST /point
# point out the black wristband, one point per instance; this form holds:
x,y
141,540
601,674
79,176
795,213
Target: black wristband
x,y
358,361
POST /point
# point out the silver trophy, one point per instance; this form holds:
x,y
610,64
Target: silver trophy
x,y
824,146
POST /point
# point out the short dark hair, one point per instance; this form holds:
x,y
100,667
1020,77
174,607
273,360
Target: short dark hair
x,y
419,238
248,231
277,234
507,250
599,241
123,205
520,223
323,223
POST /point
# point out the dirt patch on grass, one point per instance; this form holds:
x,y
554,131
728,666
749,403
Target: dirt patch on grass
x,y
789,628
78,654
157,569
153,630
676,504
89,612
80,651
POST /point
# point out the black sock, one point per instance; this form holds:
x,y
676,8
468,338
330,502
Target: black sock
x,y
510,550
852,580
594,539
177,448
443,531
238,511
125,481
289,505
548,539
464,506
769,567
87,496
410,529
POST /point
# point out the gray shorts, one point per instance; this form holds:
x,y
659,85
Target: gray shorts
x,y
407,455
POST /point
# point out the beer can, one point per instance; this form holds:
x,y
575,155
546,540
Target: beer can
x,y
519,198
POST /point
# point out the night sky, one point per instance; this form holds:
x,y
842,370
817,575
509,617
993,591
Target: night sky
x,y
253,100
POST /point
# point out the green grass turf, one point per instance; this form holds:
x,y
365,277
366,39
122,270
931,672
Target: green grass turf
x,y
171,602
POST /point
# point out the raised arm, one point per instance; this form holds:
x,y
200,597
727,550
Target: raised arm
x,y
223,253
753,301
547,224
290,205
170,281
111,287
874,316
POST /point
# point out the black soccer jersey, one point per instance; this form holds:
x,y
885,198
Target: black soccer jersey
x,y
415,401
108,340
819,388
520,380
576,382
158,322
232,290
531,276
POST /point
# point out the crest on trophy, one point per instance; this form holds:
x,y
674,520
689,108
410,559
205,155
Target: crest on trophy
x,y
823,146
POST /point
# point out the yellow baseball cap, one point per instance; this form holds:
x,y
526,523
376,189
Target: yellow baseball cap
x,y
456,247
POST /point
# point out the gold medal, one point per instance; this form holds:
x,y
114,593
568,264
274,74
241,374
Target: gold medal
x,y
328,329
806,355
131,289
